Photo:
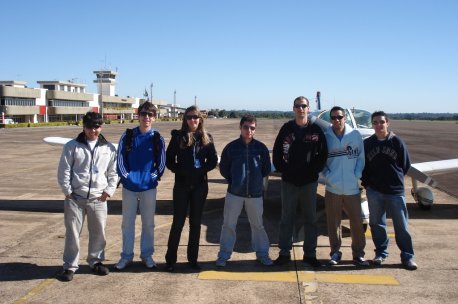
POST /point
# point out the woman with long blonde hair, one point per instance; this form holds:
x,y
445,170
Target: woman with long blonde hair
x,y
190,155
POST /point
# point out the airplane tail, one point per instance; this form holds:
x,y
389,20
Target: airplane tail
x,y
318,100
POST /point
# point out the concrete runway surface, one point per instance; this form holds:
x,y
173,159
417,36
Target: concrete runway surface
x,y
32,235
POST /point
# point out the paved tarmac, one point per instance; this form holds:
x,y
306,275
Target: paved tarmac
x,y
32,236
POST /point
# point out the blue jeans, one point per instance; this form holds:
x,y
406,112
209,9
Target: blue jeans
x,y
292,195
254,208
146,202
396,204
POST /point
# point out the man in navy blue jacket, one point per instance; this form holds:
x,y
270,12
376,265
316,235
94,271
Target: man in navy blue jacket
x,y
244,164
387,162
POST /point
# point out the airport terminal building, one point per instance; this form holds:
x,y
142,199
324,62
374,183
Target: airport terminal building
x,y
69,101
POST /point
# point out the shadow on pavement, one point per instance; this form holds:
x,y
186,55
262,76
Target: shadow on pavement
x,y
26,271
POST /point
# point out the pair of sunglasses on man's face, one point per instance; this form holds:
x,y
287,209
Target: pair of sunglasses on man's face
x,y
149,114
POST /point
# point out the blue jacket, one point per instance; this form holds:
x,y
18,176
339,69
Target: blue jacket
x,y
140,169
345,162
244,166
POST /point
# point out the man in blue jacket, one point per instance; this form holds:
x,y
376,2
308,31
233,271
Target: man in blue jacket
x,y
244,164
343,169
387,162
141,162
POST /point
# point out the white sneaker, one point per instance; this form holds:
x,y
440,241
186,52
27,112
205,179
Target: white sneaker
x,y
221,262
410,265
335,258
266,261
378,260
123,263
149,263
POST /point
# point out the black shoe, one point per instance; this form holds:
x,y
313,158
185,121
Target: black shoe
x,y
169,267
100,269
194,265
313,262
282,260
66,275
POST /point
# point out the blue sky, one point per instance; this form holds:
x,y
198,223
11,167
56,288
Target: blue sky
x,y
397,56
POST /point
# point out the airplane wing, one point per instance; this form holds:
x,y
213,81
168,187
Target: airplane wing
x,y
60,141
423,171
56,141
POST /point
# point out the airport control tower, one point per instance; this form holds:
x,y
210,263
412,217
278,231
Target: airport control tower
x,y
106,82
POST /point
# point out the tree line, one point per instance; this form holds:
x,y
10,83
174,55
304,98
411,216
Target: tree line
x,y
222,113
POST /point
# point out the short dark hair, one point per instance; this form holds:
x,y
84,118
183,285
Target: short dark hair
x,y
147,107
379,113
92,119
247,118
337,108
301,98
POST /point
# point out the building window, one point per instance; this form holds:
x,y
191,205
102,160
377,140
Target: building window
x,y
67,103
50,87
9,101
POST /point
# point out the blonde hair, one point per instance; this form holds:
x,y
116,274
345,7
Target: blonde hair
x,y
200,129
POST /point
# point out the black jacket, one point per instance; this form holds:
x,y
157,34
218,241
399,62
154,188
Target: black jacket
x,y
182,161
300,153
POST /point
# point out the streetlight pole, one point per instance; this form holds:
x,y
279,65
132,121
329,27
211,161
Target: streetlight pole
x,y
151,91
174,103
195,101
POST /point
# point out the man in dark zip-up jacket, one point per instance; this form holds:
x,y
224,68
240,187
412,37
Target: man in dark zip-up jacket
x,y
244,164
300,153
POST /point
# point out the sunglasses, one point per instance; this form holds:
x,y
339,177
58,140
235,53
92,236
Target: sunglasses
x,y
377,122
189,117
245,127
303,106
149,114
93,127
338,117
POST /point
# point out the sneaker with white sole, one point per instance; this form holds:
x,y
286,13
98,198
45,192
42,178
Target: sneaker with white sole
x,y
149,263
360,261
410,265
221,262
335,258
266,261
123,263
378,260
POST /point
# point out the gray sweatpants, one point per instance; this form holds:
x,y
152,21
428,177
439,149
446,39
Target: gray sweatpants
x,y
75,211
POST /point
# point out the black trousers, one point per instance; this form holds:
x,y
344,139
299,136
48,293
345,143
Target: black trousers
x,y
184,196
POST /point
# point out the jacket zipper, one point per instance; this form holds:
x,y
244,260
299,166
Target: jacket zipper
x,y
91,169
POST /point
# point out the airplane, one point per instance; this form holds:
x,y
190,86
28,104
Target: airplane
x,y
361,121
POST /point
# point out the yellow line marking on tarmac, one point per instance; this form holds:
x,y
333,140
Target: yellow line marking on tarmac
x,y
37,289
369,234
290,276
